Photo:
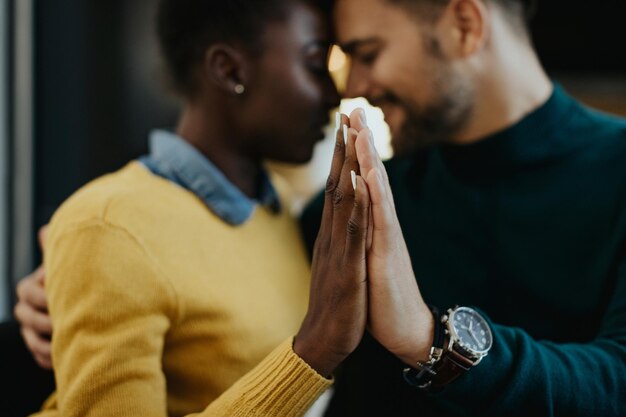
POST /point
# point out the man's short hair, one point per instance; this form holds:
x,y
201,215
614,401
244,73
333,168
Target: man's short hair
x,y
519,12
186,28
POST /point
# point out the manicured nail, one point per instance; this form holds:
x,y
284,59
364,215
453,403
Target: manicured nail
x,y
363,118
338,120
353,175
345,134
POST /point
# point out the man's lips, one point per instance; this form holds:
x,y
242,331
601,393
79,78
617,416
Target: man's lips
x,y
386,99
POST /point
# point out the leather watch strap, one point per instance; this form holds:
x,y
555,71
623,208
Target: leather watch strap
x,y
451,366
421,375
448,359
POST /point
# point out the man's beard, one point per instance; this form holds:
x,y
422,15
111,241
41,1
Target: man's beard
x,y
437,121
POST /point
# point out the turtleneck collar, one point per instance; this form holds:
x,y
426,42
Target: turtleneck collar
x,y
535,139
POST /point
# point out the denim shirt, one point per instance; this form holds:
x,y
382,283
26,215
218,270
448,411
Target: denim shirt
x,y
174,159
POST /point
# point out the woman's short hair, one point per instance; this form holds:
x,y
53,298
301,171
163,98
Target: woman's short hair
x,y
186,28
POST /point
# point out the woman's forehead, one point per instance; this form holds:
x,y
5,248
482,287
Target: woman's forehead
x,y
305,24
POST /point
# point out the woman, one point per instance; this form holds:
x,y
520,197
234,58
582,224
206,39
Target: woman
x,y
171,279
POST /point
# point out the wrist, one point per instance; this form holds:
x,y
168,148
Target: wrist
x,y
323,362
421,341
462,338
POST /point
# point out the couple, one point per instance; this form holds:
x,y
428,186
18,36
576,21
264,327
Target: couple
x,y
177,284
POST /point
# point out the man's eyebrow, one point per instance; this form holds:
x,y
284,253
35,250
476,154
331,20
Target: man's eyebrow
x,y
352,46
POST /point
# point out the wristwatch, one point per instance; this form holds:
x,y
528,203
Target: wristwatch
x,y
467,340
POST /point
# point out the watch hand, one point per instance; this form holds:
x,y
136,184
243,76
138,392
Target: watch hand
x,y
475,339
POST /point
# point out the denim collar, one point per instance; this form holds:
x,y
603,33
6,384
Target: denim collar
x,y
174,159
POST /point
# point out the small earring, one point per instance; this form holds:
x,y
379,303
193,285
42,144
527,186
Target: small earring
x,y
240,89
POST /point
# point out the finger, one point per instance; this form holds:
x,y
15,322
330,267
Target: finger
x,y
356,238
370,160
38,346
366,154
383,214
31,292
343,198
40,275
332,182
41,235
358,119
43,362
33,319
381,167
370,231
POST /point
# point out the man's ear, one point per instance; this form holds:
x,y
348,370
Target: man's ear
x,y
225,67
466,26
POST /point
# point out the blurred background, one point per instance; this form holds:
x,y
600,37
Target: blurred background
x,y
81,86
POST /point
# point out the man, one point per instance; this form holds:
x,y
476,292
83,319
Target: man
x,y
511,198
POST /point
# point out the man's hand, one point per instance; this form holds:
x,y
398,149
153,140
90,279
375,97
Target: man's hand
x,y
398,317
337,315
32,313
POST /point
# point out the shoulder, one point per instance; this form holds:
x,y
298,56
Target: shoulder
x,y
605,133
600,160
97,238
130,195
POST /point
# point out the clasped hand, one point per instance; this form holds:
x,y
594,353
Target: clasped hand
x,y
361,273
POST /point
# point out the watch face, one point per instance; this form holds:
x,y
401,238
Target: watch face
x,y
472,331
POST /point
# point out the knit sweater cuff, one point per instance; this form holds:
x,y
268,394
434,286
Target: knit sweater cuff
x,y
281,385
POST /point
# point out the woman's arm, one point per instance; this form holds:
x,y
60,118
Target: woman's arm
x,y
112,308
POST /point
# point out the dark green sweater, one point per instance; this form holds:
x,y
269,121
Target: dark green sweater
x,y
528,226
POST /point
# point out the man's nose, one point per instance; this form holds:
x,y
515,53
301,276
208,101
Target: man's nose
x,y
357,84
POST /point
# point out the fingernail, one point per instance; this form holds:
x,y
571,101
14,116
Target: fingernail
x,y
338,120
353,175
363,118
345,134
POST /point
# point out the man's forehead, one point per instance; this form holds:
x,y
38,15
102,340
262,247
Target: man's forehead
x,y
358,21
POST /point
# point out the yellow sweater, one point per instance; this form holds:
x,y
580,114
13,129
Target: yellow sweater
x,y
160,308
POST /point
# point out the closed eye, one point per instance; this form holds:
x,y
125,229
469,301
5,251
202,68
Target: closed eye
x,y
367,58
364,51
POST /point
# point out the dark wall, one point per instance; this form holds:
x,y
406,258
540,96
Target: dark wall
x,y
98,92
581,37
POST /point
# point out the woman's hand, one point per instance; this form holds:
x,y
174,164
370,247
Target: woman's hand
x,y
337,314
398,317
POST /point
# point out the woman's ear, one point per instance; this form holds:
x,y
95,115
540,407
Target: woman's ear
x,y
224,67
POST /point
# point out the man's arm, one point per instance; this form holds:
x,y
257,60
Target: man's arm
x,y
520,376
31,311
523,376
